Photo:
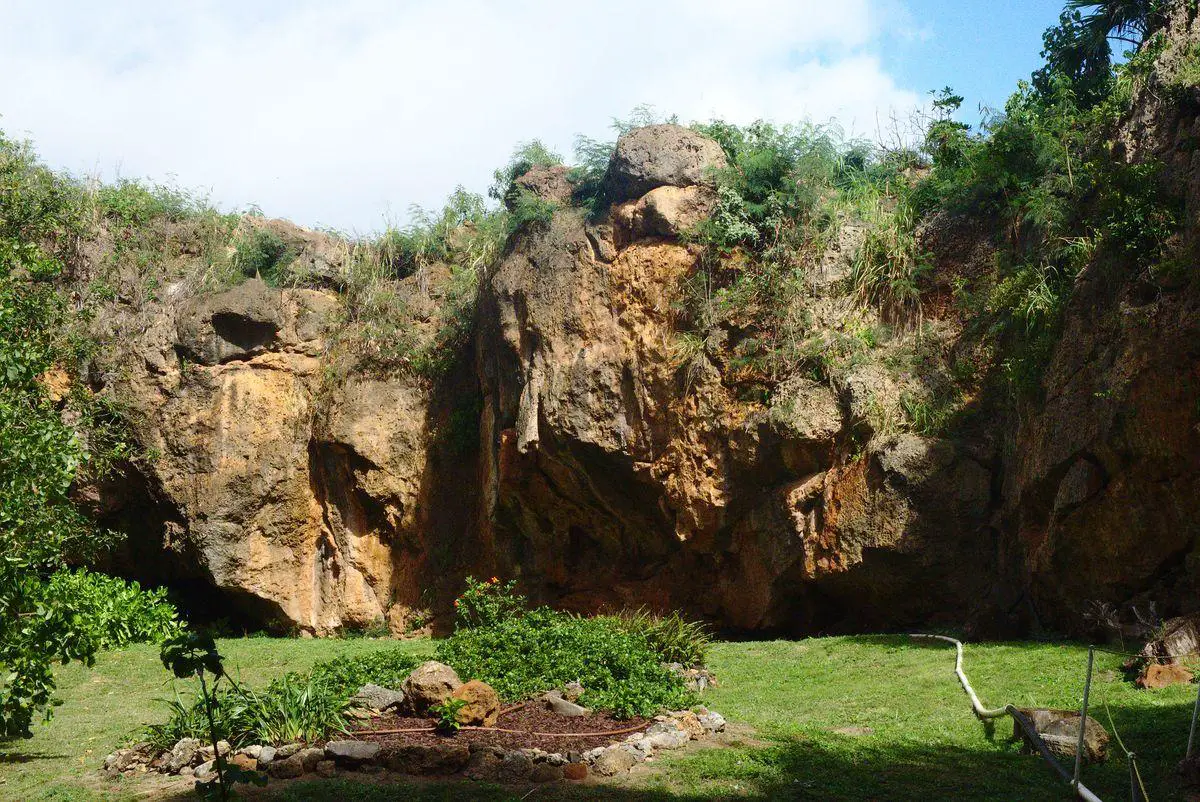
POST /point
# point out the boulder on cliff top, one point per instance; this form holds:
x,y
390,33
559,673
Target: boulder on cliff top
x,y
658,156
549,183
429,684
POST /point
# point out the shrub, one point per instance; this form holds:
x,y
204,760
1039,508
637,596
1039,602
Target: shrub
x,y
345,675
262,252
112,611
41,454
487,603
292,708
672,637
544,649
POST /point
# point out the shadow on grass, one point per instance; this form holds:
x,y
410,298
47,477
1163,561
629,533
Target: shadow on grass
x,y
7,758
794,769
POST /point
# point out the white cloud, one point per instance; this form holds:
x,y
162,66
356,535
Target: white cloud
x,y
343,113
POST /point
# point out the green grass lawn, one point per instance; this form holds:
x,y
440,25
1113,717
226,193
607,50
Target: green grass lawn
x,y
786,699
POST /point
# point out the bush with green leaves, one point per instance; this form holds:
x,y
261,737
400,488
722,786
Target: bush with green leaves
x,y
544,649
671,636
42,216
112,611
345,675
486,603
1044,173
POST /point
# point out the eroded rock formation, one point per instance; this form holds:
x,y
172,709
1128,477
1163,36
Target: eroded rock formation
x,y
604,467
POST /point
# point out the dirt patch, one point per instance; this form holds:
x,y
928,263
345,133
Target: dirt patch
x,y
529,726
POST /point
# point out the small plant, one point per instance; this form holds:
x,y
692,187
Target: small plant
x,y
487,603
292,707
447,713
190,654
672,637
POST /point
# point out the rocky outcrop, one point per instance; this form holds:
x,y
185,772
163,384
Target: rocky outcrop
x,y
1102,482
661,156
296,501
580,444
615,476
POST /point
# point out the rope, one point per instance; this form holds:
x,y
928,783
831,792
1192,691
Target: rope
x,y
984,713
1143,653
1129,756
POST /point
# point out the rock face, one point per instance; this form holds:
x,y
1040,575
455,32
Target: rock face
x,y
608,462
1102,492
620,478
297,500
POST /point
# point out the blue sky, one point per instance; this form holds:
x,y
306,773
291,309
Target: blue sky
x,y
343,114
979,48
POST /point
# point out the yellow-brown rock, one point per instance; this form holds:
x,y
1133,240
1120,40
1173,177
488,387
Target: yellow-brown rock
x,y
482,706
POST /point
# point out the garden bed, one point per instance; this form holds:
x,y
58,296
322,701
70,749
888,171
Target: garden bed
x,y
528,726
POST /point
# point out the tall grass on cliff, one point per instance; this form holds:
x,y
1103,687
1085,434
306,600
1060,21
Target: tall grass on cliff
x,y
781,202
433,263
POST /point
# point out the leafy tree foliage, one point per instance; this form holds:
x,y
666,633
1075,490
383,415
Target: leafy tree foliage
x,y
41,454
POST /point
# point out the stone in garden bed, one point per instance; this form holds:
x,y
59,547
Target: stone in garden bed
x,y
614,760
377,697
429,684
482,704
351,752
185,752
697,680
554,701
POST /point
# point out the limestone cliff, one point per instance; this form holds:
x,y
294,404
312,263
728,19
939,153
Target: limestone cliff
x,y
570,444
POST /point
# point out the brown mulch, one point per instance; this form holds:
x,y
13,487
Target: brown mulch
x,y
529,720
